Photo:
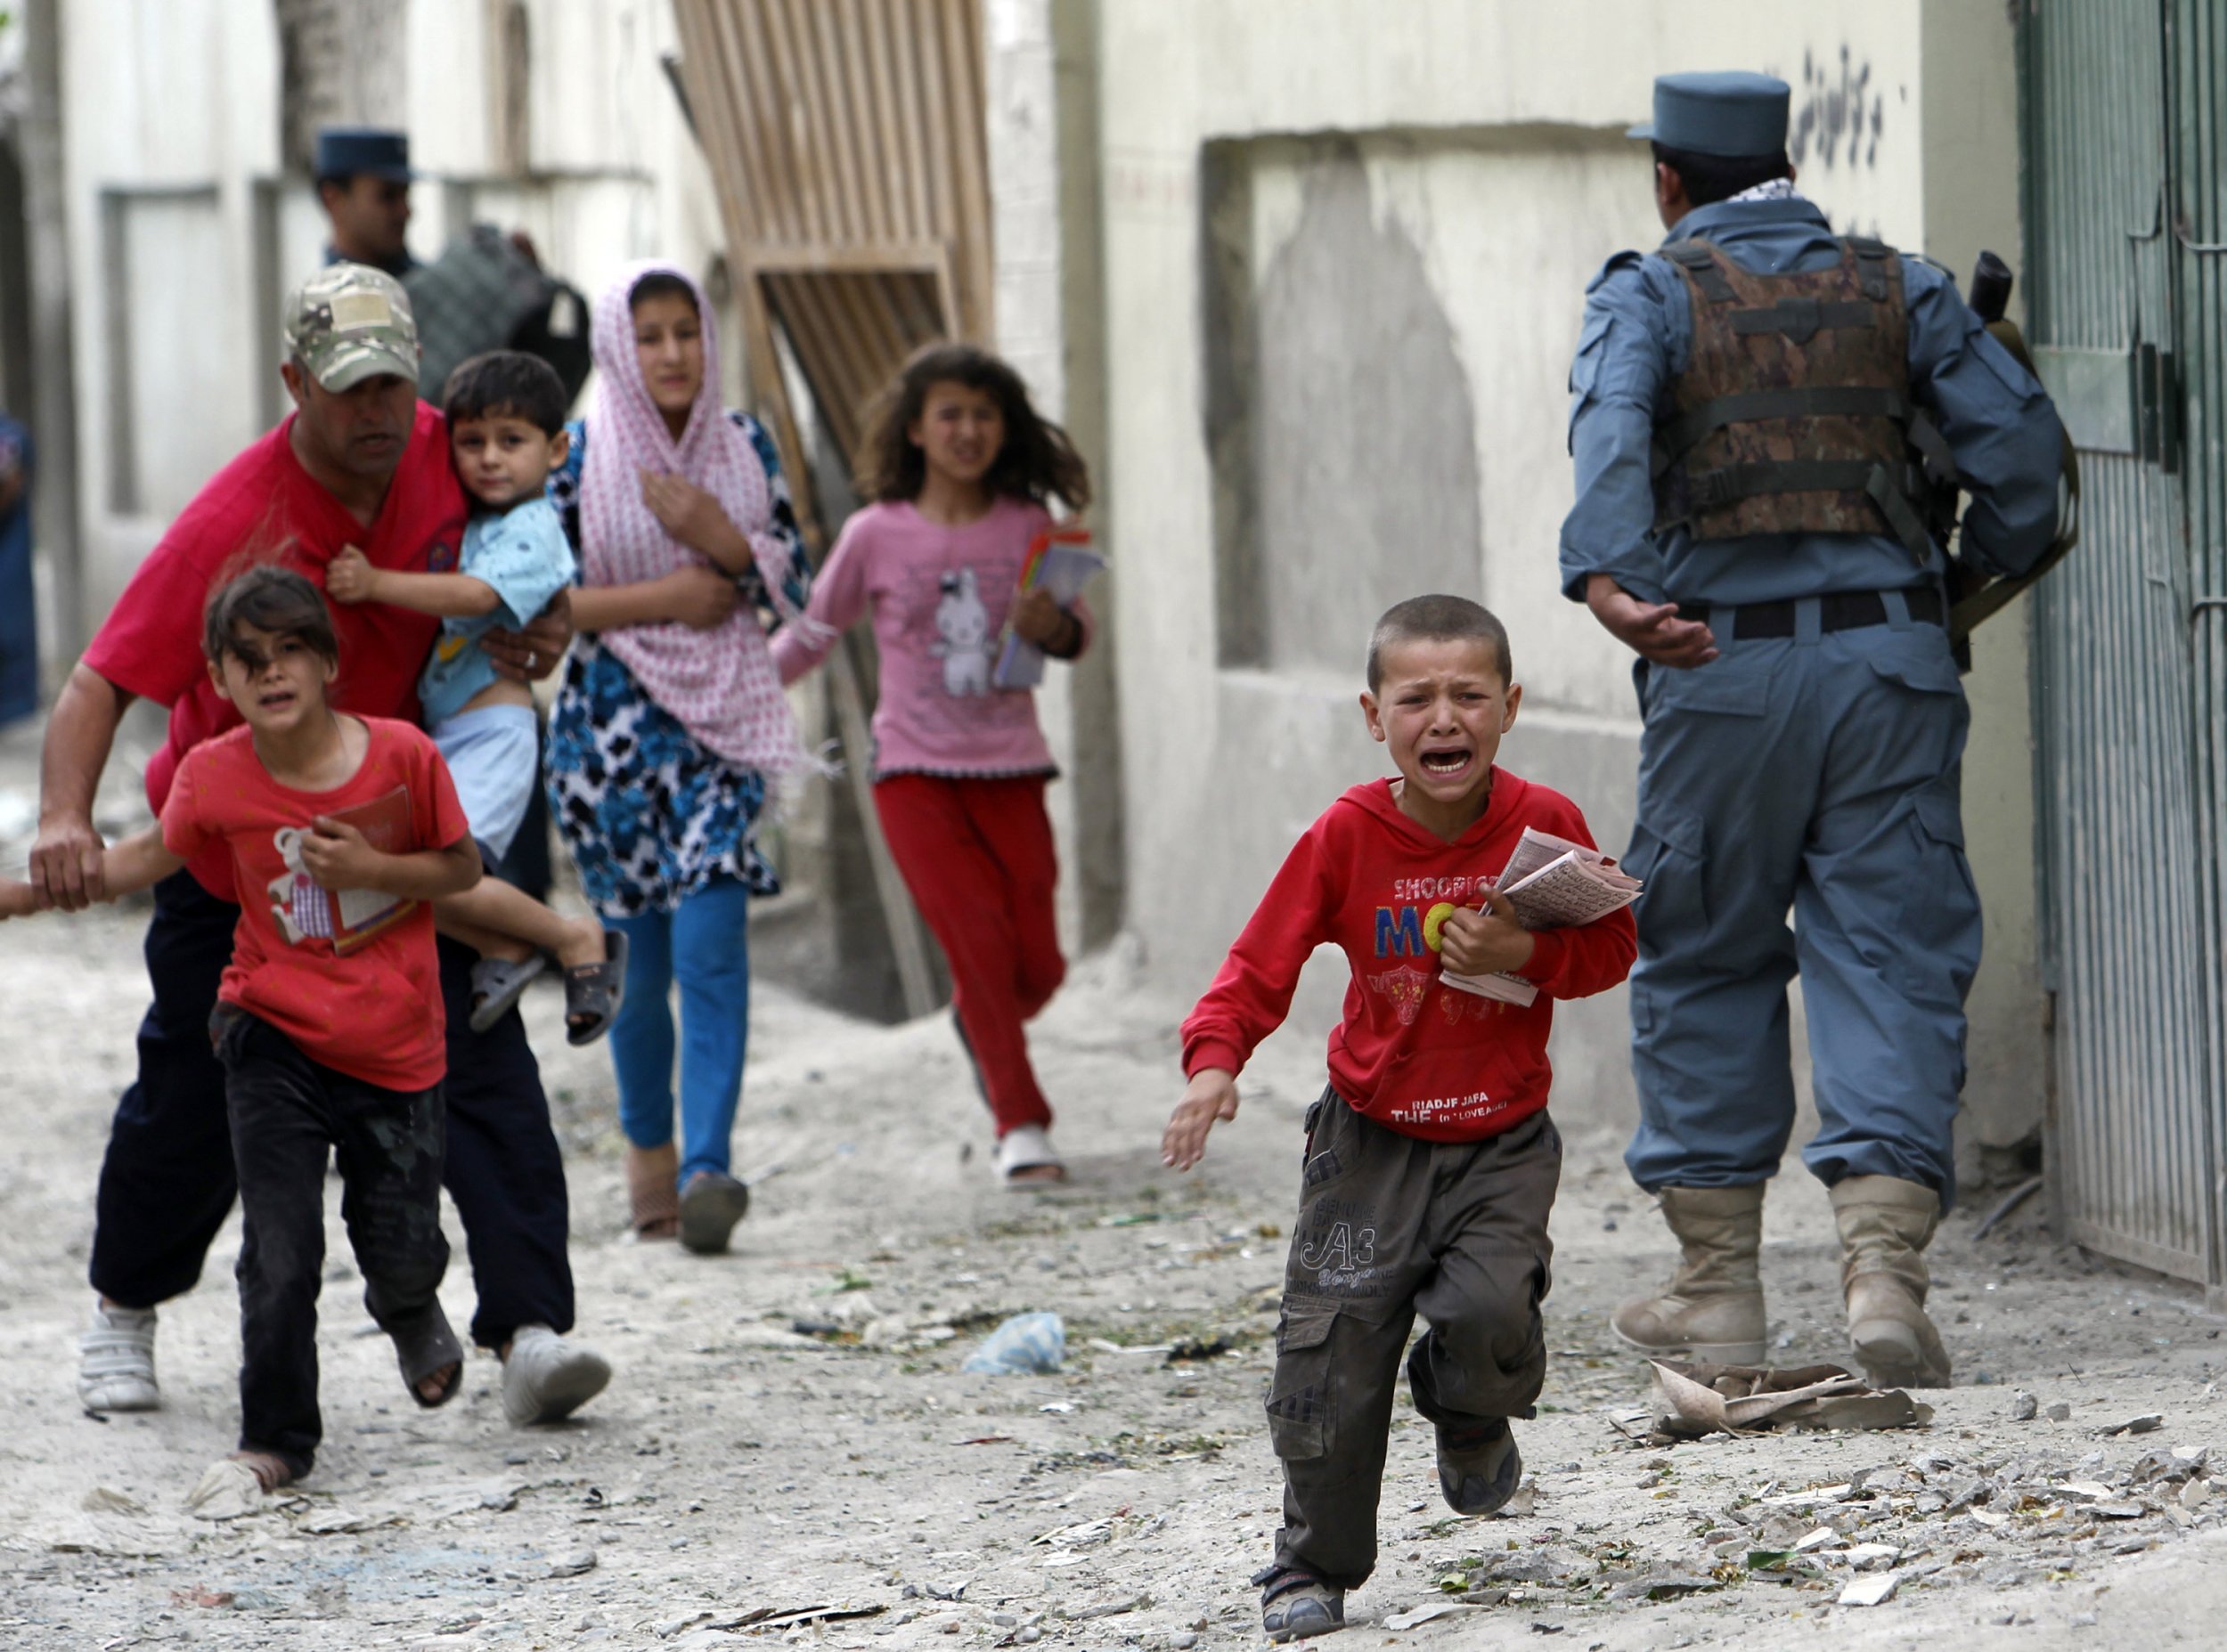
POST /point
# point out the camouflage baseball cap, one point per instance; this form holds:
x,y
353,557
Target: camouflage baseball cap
x,y
348,321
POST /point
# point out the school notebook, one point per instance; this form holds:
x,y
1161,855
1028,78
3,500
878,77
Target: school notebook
x,y
1060,560
1552,884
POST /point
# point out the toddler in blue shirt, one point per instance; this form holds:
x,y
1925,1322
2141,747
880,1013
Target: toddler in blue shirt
x,y
506,423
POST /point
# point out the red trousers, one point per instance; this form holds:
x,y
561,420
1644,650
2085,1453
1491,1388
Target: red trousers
x,y
977,856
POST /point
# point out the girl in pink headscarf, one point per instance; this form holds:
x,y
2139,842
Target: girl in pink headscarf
x,y
671,725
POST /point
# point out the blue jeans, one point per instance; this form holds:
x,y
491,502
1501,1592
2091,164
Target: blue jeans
x,y
704,943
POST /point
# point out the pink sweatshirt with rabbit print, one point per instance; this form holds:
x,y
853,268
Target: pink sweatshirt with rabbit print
x,y
939,597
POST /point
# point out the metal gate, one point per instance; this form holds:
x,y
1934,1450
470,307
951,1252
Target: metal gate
x,y
2122,105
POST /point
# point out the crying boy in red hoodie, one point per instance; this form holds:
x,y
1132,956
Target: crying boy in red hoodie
x,y
1431,1164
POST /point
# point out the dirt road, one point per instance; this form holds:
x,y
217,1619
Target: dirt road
x,y
789,1428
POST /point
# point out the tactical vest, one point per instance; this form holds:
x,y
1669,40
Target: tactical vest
x,y
1794,416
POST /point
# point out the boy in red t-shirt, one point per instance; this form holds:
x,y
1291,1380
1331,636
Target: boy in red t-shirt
x,y
339,830
1431,1164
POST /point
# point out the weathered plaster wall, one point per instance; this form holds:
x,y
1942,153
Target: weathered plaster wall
x,y
1335,245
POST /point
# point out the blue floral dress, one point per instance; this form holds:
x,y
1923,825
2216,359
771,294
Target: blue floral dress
x,y
649,815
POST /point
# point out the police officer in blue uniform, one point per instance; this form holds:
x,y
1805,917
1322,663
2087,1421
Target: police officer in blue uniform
x,y
1764,418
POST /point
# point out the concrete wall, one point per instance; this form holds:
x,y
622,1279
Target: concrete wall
x,y
1342,264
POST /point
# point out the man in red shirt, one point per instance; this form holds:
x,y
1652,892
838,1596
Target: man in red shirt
x,y
361,461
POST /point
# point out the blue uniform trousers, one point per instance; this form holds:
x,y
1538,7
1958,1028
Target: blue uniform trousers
x,y
1817,774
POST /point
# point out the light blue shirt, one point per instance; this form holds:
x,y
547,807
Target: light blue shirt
x,y
1637,339
523,554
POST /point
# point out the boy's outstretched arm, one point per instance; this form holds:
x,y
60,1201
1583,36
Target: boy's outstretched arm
x,y
1249,999
1211,1095
350,578
138,862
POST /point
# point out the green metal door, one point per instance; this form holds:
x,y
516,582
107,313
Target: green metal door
x,y
2197,222
2125,686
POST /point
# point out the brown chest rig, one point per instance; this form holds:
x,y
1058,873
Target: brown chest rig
x,y
1794,416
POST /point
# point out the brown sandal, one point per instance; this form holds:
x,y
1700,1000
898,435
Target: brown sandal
x,y
651,1173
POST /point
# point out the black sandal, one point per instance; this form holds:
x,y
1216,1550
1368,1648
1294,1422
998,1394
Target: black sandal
x,y
423,1345
594,991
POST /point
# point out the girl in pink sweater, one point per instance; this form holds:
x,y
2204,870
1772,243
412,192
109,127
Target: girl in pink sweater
x,y
958,467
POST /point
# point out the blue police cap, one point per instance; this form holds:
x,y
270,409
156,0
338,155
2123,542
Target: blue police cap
x,y
369,151
1718,112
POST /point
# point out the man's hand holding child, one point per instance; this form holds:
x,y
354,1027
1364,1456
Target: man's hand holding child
x,y
1211,1096
1487,941
530,655
350,577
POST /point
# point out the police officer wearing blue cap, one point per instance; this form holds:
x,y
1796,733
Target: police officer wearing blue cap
x,y
1767,420
362,175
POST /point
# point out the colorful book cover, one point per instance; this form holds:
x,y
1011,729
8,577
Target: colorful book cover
x,y
347,917
1061,561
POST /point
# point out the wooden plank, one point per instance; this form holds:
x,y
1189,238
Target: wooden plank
x,y
970,229
841,121
866,87
812,111
904,15
805,167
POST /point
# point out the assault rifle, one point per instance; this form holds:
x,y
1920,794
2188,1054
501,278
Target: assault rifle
x,y
1975,596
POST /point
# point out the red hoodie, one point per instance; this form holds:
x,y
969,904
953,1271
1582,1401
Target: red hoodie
x,y
1416,1055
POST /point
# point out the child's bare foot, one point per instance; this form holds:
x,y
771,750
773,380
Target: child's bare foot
x,y
434,1388
583,943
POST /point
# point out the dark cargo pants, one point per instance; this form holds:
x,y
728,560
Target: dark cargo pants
x,y
1390,1227
285,1111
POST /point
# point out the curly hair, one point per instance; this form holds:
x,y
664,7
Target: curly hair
x,y
1037,462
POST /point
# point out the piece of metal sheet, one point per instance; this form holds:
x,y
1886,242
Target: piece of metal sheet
x,y
2094,393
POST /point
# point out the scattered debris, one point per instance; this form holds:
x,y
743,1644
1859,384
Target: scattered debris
x,y
2149,1422
2059,1413
1422,1614
1692,1401
576,1562
1027,1344
107,1500
791,1617
1871,1589
1194,1350
225,1491
2024,1407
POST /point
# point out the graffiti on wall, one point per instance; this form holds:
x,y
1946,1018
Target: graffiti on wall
x,y
1836,114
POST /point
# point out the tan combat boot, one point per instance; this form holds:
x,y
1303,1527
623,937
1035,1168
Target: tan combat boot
x,y
1885,1223
651,1173
1713,1310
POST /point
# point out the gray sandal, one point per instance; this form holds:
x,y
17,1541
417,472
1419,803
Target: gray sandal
x,y
497,985
423,1345
594,991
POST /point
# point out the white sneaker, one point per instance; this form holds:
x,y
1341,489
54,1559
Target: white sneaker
x,y
546,1378
115,1360
1027,1158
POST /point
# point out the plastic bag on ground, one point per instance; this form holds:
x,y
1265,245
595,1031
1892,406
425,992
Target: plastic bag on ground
x,y
1026,1343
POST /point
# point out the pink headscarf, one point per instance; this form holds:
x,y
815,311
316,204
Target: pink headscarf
x,y
721,683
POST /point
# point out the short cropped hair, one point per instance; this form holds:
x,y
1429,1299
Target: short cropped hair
x,y
273,599
1712,178
507,382
1438,619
